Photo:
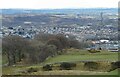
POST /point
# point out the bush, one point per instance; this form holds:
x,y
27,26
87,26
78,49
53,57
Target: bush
x,y
47,67
91,66
67,66
115,65
93,51
30,70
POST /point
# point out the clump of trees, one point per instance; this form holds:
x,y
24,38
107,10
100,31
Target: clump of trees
x,y
14,48
17,49
36,50
59,40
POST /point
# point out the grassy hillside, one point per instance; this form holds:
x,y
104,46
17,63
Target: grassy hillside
x,y
83,55
71,55
19,70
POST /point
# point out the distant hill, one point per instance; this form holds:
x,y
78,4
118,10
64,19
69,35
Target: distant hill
x,y
61,11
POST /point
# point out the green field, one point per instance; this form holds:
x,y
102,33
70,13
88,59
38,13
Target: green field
x,y
71,56
84,56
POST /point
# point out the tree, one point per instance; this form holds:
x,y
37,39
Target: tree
x,y
63,40
21,44
78,44
74,44
14,47
34,49
59,38
7,51
43,37
38,52
52,50
47,51
56,43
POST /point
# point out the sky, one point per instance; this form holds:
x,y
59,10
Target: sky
x,y
57,4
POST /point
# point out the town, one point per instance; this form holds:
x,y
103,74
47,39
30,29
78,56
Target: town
x,y
92,28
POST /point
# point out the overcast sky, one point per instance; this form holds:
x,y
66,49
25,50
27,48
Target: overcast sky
x,y
57,4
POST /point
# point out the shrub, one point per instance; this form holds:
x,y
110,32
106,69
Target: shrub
x,y
47,67
30,70
115,65
67,66
91,66
93,51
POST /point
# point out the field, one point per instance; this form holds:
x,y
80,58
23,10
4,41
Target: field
x,y
76,56
84,57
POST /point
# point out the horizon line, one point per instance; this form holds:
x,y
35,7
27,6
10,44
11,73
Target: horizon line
x,y
59,8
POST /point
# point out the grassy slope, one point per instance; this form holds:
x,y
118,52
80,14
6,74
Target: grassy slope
x,y
84,56
70,56
17,71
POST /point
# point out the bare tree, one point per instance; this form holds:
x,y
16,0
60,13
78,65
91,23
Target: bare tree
x,y
14,47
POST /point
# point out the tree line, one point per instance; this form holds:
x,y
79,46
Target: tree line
x,y
37,50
